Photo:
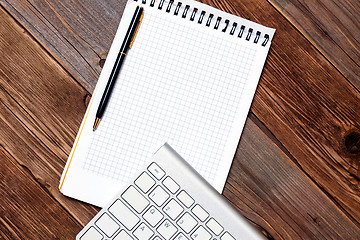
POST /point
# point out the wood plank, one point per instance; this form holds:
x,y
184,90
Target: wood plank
x,y
80,33
77,33
41,109
270,224
267,187
312,112
333,26
308,106
27,211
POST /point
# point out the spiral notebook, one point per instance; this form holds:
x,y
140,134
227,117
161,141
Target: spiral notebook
x,y
189,80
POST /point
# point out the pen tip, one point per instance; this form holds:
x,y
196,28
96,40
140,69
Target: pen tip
x,y
96,123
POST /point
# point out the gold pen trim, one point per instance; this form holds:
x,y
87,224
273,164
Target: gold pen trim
x,y
136,30
96,123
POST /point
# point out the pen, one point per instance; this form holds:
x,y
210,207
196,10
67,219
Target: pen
x,y
127,43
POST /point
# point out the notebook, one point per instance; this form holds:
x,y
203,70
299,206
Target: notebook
x,y
189,80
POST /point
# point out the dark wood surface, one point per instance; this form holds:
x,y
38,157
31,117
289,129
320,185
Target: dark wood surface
x,y
296,171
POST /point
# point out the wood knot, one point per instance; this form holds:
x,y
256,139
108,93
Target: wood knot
x,y
101,62
102,59
314,219
352,142
43,183
352,150
87,99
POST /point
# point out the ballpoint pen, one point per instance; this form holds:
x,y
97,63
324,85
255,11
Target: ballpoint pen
x,y
127,43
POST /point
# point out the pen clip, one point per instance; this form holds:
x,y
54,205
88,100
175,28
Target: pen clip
x,y
136,30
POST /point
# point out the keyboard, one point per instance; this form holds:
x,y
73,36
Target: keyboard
x,y
168,200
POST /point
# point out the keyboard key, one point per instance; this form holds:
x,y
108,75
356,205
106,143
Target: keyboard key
x,y
158,205
144,182
173,209
156,171
91,234
153,216
107,225
185,199
201,234
159,196
143,232
227,236
167,229
123,236
135,199
187,222
123,214
171,185
214,226
200,212
181,236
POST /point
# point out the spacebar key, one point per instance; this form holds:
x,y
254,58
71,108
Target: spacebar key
x,y
123,214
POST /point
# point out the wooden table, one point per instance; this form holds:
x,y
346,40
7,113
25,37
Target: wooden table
x,y
296,171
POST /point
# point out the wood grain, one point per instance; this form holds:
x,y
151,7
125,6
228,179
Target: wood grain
x,y
267,187
26,210
77,33
41,109
310,111
333,27
308,106
306,189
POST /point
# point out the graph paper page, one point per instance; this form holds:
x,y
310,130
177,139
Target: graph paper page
x,y
181,83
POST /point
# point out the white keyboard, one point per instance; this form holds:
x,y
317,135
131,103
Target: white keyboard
x,y
168,200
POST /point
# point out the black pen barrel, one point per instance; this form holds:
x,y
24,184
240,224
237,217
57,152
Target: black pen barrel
x,y
110,85
131,30
127,43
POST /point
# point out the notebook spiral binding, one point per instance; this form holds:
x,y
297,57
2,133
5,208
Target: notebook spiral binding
x,y
210,18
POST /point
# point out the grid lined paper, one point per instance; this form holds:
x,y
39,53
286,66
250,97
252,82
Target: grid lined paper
x,y
181,83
